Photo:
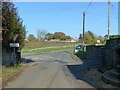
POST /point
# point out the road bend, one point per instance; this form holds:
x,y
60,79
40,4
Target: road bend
x,y
50,72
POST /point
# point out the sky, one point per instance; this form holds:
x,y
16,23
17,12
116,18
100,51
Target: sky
x,y
67,17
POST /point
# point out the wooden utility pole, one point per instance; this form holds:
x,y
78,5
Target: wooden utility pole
x,y
108,19
83,34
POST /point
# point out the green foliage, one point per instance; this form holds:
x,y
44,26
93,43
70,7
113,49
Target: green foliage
x,y
49,36
57,35
68,37
31,37
12,25
80,54
114,36
91,34
91,38
80,38
111,37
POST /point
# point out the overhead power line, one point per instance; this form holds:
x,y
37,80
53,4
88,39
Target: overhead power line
x,y
88,5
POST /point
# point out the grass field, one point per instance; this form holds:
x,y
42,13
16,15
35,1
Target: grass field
x,y
39,50
38,47
40,44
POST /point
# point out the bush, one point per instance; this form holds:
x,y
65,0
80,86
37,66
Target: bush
x,y
114,36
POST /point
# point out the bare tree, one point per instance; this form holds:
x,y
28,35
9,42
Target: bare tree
x,y
41,34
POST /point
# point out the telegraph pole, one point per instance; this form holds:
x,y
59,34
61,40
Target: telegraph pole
x,y
83,34
108,19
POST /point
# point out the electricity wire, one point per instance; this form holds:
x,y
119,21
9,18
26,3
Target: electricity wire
x,y
88,5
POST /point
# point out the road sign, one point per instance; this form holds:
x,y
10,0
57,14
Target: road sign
x,y
15,37
14,44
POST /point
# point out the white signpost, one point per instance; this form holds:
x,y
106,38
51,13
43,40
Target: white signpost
x,y
14,44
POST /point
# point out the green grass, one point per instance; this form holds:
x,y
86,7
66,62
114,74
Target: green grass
x,y
49,49
44,46
32,45
8,71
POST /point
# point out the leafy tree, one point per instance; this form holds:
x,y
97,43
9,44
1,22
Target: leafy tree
x,y
49,36
59,35
88,38
80,38
91,38
63,38
91,34
68,37
31,37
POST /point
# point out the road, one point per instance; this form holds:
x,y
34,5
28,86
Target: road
x,y
50,72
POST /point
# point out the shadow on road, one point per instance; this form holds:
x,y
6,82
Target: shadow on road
x,y
80,70
87,65
24,60
68,51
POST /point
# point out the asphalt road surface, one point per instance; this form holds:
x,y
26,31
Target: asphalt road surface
x,y
50,72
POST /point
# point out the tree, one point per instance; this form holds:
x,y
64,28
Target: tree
x,y
91,38
12,25
88,38
59,35
49,36
68,37
41,34
31,37
81,38
91,34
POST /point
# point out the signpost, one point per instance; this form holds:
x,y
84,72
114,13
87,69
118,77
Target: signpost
x,y
14,45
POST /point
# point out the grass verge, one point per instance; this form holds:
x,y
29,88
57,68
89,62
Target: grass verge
x,y
8,72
